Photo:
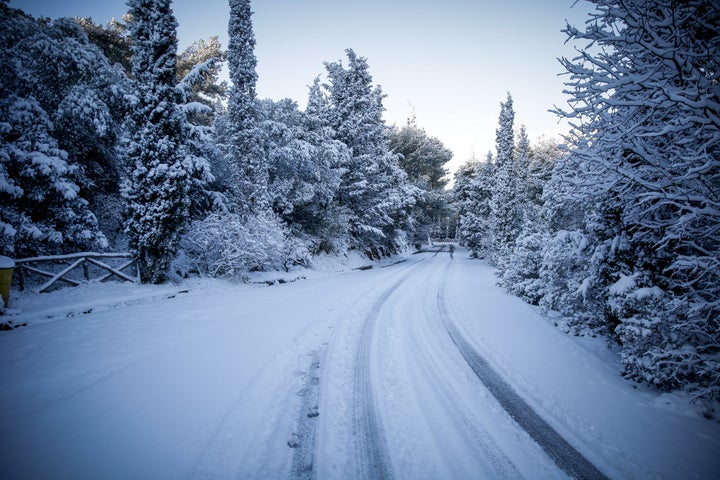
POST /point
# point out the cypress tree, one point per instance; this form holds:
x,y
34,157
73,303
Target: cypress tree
x,y
156,194
504,209
241,145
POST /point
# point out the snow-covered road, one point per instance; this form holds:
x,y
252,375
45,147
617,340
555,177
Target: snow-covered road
x,y
423,369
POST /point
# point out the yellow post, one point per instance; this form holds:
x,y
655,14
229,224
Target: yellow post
x,y
6,270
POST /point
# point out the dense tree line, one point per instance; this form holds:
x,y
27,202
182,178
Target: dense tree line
x,y
622,235
113,139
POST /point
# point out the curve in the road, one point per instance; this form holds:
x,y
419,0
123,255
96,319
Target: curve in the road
x,y
565,456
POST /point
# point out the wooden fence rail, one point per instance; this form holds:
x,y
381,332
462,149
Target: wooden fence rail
x,y
84,260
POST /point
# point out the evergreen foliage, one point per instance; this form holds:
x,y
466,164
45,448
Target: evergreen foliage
x,y
48,71
505,212
112,38
157,192
473,193
423,158
304,170
646,149
373,189
241,141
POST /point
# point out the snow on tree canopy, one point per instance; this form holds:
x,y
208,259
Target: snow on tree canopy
x,y
645,165
157,193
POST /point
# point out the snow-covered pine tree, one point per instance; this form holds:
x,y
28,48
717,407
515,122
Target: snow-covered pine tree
x,y
522,275
241,141
421,156
423,159
461,191
42,210
522,174
473,192
156,194
505,212
304,169
566,255
645,104
331,226
113,39
374,188
198,71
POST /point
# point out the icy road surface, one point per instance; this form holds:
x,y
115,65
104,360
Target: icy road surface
x,y
424,369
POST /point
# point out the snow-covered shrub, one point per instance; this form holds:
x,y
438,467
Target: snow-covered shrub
x,y
521,276
567,286
658,341
227,245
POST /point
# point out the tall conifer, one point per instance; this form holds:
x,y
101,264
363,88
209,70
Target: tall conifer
x,y
241,145
504,208
156,194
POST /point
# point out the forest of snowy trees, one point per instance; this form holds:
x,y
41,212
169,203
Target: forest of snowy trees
x,y
111,139
618,230
114,140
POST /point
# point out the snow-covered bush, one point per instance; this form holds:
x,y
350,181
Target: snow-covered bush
x,y
567,285
226,245
521,276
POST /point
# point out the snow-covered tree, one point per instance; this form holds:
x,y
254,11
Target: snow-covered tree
x,y
645,107
505,212
162,172
304,169
544,154
423,158
42,211
113,39
522,174
374,188
473,192
47,71
241,138
198,71
522,273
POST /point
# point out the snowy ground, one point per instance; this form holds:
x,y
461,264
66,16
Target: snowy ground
x,y
404,371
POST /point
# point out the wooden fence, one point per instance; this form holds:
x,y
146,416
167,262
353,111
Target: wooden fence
x,y
91,263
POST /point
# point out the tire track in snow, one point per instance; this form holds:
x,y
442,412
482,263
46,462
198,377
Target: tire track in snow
x,y
371,445
372,452
502,467
565,456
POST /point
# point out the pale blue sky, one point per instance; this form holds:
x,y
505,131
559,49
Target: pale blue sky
x,y
453,60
